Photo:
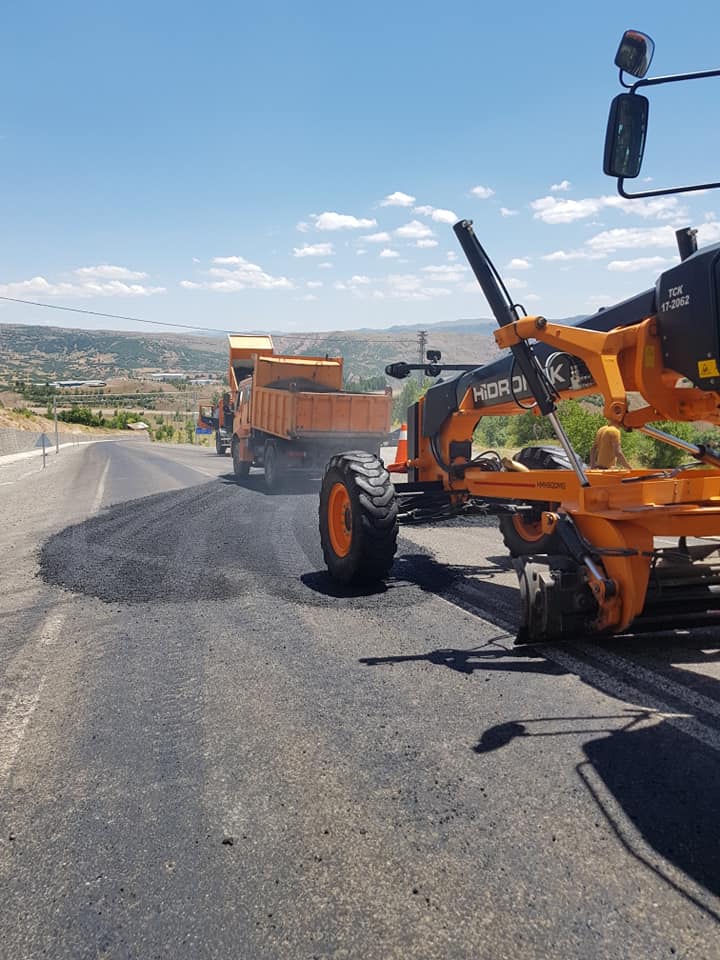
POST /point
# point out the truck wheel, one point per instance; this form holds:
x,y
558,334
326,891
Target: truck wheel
x,y
241,468
273,467
523,536
358,518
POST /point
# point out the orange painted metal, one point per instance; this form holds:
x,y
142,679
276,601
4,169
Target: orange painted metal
x,y
620,513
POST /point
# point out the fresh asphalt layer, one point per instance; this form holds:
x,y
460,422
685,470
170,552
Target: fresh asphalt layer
x,y
207,749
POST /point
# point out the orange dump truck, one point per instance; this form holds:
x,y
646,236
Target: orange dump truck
x,y
291,413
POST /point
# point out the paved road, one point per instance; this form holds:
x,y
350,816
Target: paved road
x,y
206,750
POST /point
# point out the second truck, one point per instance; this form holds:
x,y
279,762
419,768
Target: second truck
x,y
290,413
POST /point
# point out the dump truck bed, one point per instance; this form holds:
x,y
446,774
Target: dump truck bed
x,y
295,414
302,397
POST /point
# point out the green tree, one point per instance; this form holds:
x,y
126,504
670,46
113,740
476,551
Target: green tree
x,y
411,392
580,426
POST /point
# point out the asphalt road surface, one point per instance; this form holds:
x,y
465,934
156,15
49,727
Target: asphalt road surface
x,y
208,750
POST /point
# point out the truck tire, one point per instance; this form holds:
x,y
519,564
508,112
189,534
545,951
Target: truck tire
x,y
358,518
272,461
523,536
241,468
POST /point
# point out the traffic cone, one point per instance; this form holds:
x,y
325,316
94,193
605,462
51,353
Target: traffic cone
x,y
401,454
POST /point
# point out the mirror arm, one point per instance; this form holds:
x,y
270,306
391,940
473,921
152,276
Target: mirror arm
x,y
628,86
672,78
662,193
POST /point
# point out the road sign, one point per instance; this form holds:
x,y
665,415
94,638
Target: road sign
x,y
205,430
43,441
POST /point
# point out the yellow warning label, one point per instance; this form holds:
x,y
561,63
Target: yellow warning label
x,y
708,368
649,356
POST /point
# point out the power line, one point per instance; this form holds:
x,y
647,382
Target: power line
x,y
331,335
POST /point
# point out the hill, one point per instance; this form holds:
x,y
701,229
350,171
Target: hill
x,y
48,353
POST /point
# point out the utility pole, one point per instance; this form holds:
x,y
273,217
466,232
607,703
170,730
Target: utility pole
x,y
57,444
422,343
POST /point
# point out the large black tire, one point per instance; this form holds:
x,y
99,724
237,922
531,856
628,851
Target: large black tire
x,y
364,548
523,537
241,468
272,462
521,533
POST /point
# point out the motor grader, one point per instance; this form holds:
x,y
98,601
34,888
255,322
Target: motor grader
x,y
597,552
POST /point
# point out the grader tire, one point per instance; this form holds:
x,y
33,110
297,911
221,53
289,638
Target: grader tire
x,y
358,518
524,537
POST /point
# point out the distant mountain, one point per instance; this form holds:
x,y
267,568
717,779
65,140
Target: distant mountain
x,y
50,353
30,352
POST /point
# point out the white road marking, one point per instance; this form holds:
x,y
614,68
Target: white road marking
x,y
608,681
644,675
100,490
23,702
13,724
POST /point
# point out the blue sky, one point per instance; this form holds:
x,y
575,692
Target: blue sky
x,y
298,167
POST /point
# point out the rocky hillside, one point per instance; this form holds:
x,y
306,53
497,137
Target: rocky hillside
x,y
48,353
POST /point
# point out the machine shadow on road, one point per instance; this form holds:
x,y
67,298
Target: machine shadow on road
x,y
476,658
300,486
656,786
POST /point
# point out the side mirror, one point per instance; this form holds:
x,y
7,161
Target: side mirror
x,y
635,53
625,137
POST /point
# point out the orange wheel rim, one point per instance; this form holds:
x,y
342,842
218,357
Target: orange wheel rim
x,y
531,530
340,520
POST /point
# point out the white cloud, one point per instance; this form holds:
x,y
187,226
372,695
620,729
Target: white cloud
x,y
382,237
562,256
356,285
518,263
106,271
426,244
302,226
600,300
448,271
190,285
341,221
360,253
314,284
325,266
483,193
244,276
506,212
40,287
640,263
515,282
531,297
561,187
623,238
709,232
398,199
551,210
451,255
414,230
314,250
408,286
437,214
388,254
